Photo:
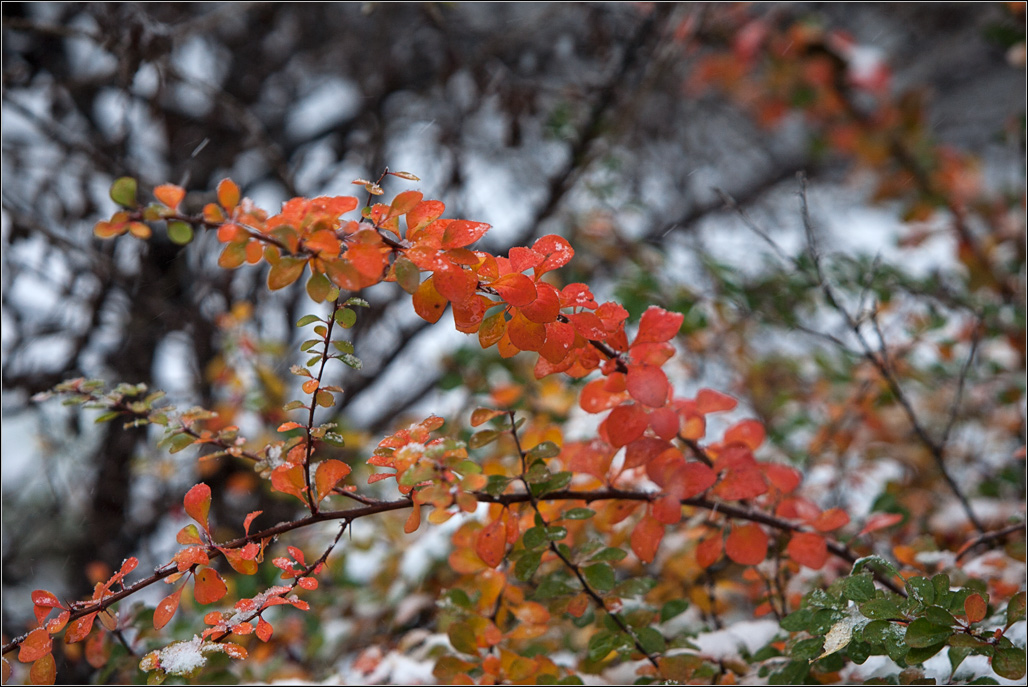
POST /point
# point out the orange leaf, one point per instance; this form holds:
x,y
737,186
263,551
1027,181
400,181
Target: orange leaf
x,y
975,608
525,334
404,203
79,629
648,385
516,289
710,401
166,608
242,560
285,272
596,398
747,544
667,509
198,504
625,424
170,195
657,325
264,629
708,551
492,329
37,644
208,586
421,214
783,477
646,538
748,432
809,549
288,479
491,543
556,252
228,194
546,306
462,233
880,521
328,474
43,602
482,415
413,520
43,671
741,482
830,520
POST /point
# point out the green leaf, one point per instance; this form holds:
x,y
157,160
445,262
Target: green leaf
x,y
483,438
600,576
1016,608
1009,662
881,609
859,587
293,405
924,633
875,563
579,513
807,649
797,620
319,287
552,587
408,276
527,564
462,637
357,302
308,319
345,317
555,483
651,639
610,554
921,589
939,616
636,586
496,484
923,653
180,233
673,608
123,192
601,644
546,449
858,652
107,417
179,441
556,532
534,537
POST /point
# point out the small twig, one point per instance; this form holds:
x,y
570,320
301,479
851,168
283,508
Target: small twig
x,y
989,538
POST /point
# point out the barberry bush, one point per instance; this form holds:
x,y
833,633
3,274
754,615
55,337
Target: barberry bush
x,y
587,509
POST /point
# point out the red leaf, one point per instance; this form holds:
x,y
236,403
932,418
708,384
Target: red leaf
x,y
625,424
556,250
166,608
516,289
546,305
646,538
454,283
595,397
975,608
748,432
170,195
648,385
657,325
404,203
695,479
462,233
308,583
880,521
491,543
288,479
208,586
643,450
429,304
708,551
79,629
741,482
667,509
747,544
328,474
424,212
521,259
43,602
249,519
710,401
809,549
783,477
198,504
525,334
560,337
664,422
37,644
830,520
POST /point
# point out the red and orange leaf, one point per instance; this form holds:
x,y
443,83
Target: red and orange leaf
x,y
596,397
249,519
492,329
695,478
658,325
831,519
43,601
664,422
413,520
648,385
328,474
208,587
404,203
197,503
710,401
975,608
264,630
482,415
625,424
288,479
421,214
808,549
242,560
525,334
55,625
546,306
284,272
783,477
560,337
556,252
708,551
646,538
491,543
880,521
37,644
741,482
170,194
79,628
228,194
747,432
516,289
166,608
747,544
667,509
429,304
462,233
43,671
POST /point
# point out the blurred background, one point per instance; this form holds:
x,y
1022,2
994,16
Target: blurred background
x,y
663,140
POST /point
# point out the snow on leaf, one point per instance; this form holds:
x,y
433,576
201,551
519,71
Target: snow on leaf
x,y
166,608
842,632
